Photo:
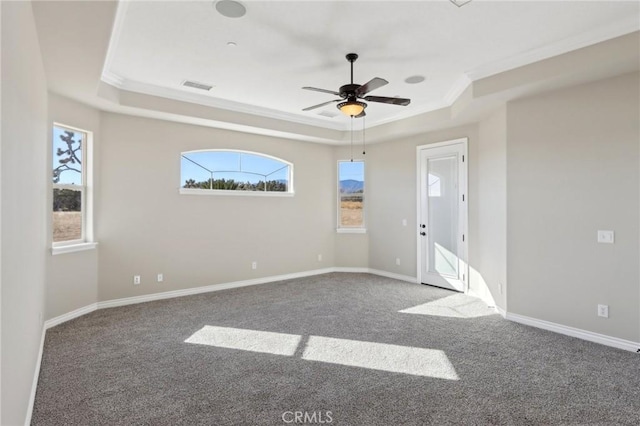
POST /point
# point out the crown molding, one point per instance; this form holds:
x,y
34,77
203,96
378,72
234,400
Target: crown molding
x,y
225,104
452,95
456,90
116,31
112,79
617,29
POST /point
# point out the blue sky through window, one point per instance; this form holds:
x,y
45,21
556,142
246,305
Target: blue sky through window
x,y
351,170
67,177
239,166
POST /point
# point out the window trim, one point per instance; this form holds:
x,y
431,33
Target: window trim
x,y
86,194
72,248
362,229
232,192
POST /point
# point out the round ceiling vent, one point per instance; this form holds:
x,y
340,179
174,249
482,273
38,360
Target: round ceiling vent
x,y
230,8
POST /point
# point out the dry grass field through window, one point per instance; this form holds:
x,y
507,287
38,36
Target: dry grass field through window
x,y
351,213
67,226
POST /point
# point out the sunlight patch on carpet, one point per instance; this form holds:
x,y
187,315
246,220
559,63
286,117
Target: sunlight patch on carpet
x,y
455,306
380,356
246,340
375,356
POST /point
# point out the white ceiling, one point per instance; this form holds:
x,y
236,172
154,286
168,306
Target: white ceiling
x,y
283,46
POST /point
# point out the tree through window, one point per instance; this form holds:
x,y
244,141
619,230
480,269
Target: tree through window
x,y
69,185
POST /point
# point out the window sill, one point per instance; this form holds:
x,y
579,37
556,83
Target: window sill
x,y
351,230
219,192
72,248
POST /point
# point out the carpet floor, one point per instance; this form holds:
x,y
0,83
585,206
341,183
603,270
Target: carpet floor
x,y
341,349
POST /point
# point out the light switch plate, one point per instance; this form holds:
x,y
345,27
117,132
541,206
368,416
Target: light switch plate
x,y
605,237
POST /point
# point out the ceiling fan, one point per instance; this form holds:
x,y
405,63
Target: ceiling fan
x,y
350,93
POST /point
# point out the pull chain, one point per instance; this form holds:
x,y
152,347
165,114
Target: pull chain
x,y
352,138
363,135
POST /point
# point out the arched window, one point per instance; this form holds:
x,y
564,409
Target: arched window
x,y
234,172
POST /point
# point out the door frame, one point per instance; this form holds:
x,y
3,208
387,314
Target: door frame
x,y
464,207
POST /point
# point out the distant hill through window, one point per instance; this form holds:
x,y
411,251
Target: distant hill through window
x,y
350,186
350,195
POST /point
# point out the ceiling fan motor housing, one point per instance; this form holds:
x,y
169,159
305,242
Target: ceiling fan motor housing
x,y
349,90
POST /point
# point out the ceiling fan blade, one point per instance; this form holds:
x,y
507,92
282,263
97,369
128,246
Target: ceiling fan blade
x,y
321,105
371,85
362,114
385,100
315,89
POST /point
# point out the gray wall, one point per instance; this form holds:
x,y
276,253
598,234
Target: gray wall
x,y
489,268
572,169
284,235
72,278
392,198
145,227
24,206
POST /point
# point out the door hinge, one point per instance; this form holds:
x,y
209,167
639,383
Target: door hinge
x,y
462,197
463,158
463,278
462,237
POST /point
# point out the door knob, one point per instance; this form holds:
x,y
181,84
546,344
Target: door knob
x,y
423,233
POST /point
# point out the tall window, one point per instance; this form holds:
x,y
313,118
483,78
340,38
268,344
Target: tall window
x,y
350,196
237,172
69,185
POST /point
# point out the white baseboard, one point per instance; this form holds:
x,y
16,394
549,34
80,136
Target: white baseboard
x,y
615,342
245,283
215,287
70,315
350,270
36,376
399,277
558,328
207,289
386,274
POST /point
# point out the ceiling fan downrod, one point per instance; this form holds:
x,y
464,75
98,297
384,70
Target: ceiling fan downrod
x,y
351,57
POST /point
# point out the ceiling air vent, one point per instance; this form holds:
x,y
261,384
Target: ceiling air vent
x,y
196,85
330,114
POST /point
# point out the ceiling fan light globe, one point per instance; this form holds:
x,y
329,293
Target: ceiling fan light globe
x,y
352,108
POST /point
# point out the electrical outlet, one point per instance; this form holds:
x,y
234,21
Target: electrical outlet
x,y
606,237
319,258
160,278
603,311
397,261
254,265
500,288
404,222
136,279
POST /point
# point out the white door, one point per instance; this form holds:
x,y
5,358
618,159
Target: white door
x,y
442,216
